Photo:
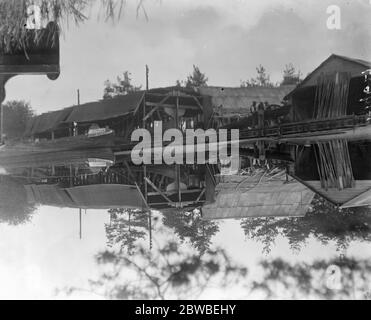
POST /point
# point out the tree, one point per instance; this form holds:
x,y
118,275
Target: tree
x,y
122,86
190,226
194,80
290,75
16,116
168,273
325,223
127,226
13,17
340,278
14,207
261,80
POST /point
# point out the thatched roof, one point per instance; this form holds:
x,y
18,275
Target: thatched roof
x,y
239,100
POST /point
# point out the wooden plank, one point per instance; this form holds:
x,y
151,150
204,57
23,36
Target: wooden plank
x,y
165,105
158,190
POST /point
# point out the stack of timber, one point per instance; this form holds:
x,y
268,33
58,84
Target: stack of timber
x,y
334,165
331,96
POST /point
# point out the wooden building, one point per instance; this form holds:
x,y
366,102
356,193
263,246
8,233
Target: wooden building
x,y
124,113
303,97
232,104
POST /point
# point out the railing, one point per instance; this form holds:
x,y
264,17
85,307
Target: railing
x,y
306,126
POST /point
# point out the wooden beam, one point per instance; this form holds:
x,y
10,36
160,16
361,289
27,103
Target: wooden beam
x,y
150,113
198,103
172,192
143,197
164,105
201,194
129,171
158,190
29,69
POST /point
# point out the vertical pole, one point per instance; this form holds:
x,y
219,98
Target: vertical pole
x,y
80,223
71,176
144,166
150,229
1,123
177,166
75,124
147,78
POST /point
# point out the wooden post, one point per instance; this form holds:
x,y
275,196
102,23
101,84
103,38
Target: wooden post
x,y
1,123
147,76
177,166
144,126
150,229
71,176
144,166
80,223
78,97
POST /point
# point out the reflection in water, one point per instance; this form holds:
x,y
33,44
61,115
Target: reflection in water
x,y
125,228
173,252
167,273
14,207
189,225
326,223
323,279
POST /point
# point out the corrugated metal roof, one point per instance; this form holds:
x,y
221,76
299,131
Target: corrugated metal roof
x,y
241,99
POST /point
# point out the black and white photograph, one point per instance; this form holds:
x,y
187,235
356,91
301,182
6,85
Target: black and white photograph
x,y
185,151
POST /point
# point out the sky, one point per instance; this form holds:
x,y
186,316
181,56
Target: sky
x,y
226,39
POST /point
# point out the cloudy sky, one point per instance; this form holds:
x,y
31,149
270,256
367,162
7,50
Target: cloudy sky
x,y
227,39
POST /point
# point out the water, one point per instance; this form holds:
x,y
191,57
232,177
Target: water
x,y
66,232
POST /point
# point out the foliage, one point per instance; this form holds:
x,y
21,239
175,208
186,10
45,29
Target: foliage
x,y
16,116
290,75
347,279
194,80
190,226
122,86
325,223
261,80
13,17
127,226
14,208
169,272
